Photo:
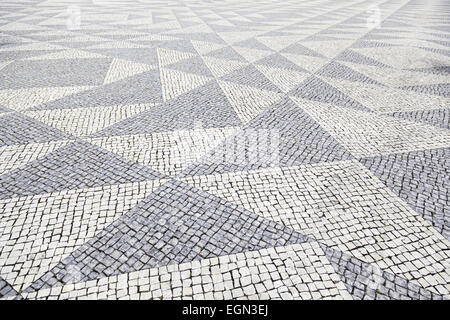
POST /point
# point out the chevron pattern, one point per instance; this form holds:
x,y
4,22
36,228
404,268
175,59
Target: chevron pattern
x,y
236,149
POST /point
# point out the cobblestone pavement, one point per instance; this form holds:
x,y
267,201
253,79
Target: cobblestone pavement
x,y
228,149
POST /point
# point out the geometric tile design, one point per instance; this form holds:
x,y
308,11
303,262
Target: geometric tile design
x,y
436,117
121,69
142,88
195,225
18,129
248,102
389,99
181,147
237,276
322,203
86,121
74,166
15,156
54,73
180,113
315,89
339,71
250,76
224,149
6,291
367,134
175,83
301,140
286,80
42,238
421,178
368,282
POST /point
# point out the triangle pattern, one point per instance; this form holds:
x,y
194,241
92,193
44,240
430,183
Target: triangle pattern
x,y
339,71
248,102
252,55
194,65
284,79
146,89
112,203
309,63
315,89
429,167
369,282
299,49
221,67
86,166
276,60
19,129
167,57
121,69
297,139
435,117
193,140
250,76
226,53
175,83
180,113
83,122
372,134
187,215
204,47
22,99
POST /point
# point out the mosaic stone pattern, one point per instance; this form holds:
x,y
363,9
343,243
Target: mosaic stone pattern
x,y
224,149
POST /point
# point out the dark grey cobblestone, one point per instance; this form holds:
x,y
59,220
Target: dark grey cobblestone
x,y
58,72
139,89
250,76
368,282
339,71
421,178
276,60
6,291
23,54
16,128
301,141
437,117
355,57
176,224
183,112
77,165
441,70
442,89
317,90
